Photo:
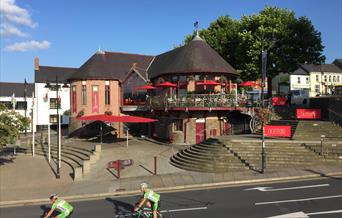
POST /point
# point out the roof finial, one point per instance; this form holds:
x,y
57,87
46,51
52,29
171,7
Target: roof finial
x,y
99,51
197,37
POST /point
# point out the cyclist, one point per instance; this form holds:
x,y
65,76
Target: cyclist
x,y
149,197
61,205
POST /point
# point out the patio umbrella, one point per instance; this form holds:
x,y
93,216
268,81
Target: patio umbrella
x,y
146,87
247,84
208,83
117,119
166,84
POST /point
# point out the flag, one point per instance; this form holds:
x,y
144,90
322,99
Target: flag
x,y
196,24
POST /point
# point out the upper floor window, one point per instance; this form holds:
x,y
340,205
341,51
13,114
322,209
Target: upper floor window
x,y
84,94
325,78
307,80
334,78
330,78
54,102
338,78
317,78
107,94
298,80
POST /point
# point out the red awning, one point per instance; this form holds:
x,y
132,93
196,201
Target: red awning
x,y
117,119
208,83
146,87
166,84
248,83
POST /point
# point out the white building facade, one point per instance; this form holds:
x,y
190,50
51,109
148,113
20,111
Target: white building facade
x,y
317,79
12,95
47,98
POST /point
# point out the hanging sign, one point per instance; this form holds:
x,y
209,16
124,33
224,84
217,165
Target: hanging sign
x,y
277,131
310,114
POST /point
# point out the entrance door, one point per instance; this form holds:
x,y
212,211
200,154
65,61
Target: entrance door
x,y
200,131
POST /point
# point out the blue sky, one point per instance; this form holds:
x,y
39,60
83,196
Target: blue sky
x,y
67,32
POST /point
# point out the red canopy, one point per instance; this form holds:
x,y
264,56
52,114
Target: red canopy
x,y
166,84
208,83
118,119
248,83
146,87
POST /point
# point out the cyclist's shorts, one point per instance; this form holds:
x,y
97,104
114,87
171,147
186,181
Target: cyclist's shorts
x,y
64,214
155,205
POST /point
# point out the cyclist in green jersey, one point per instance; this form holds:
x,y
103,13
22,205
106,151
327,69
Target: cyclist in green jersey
x,y
151,198
61,205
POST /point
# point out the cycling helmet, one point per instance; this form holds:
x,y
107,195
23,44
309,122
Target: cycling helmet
x,y
53,197
143,185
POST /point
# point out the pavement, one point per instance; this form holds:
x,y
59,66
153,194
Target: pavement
x,y
30,180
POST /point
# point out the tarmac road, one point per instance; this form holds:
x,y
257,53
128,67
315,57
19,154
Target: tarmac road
x,y
313,198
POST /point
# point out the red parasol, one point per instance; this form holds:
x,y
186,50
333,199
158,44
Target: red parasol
x,y
146,87
248,83
208,83
166,84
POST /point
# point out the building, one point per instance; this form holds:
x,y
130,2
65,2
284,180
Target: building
x,y
317,79
47,99
19,97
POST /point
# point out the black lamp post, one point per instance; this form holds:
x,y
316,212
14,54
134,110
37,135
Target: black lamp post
x,y
263,153
25,99
56,87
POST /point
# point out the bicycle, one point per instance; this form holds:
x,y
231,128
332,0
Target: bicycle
x,y
141,213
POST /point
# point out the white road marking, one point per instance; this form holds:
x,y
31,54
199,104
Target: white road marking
x,y
184,209
325,212
270,189
291,215
297,200
301,214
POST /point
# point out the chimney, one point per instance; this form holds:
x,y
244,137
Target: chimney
x,y
36,63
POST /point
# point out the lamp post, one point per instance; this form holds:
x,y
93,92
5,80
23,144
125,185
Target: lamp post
x,y
58,103
25,99
263,153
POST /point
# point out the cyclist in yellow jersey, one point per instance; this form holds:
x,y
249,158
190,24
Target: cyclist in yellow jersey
x,y
149,197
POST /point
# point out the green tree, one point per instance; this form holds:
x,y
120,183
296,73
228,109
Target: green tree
x,y
289,41
11,123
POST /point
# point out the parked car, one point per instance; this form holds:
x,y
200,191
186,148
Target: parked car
x,y
300,97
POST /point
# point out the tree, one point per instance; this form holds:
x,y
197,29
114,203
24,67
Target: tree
x,y
11,123
289,41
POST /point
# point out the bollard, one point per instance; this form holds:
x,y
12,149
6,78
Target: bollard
x,y
322,136
118,169
155,165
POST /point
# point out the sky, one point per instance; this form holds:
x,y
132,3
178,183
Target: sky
x,y
66,33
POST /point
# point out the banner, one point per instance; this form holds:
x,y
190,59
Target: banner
x,y
95,100
277,131
310,114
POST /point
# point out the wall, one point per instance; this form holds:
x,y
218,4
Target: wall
x,y
304,84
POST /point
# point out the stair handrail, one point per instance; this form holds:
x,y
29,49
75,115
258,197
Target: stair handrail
x,y
336,113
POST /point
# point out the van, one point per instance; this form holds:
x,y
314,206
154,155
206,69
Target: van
x,y
300,97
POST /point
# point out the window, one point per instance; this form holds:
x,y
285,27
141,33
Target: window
x,y
95,99
298,80
338,78
325,78
54,119
317,78
19,105
317,89
178,125
307,80
334,78
84,94
107,94
54,102
330,78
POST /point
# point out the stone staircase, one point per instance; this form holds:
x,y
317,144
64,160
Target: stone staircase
x,y
330,150
292,123
208,156
278,154
312,130
78,158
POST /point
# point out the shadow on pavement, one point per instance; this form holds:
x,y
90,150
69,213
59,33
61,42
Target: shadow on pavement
x,y
120,207
323,174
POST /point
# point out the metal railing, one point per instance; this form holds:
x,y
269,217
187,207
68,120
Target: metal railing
x,y
201,100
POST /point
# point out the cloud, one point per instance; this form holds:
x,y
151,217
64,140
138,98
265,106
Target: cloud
x,y
28,46
9,30
11,13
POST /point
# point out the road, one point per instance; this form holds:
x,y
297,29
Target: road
x,y
315,198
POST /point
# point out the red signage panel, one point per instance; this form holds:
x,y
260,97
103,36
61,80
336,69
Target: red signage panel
x,y
279,101
277,131
311,114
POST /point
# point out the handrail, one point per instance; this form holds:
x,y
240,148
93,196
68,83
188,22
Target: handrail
x,y
338,114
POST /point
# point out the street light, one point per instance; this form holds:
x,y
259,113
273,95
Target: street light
x,y
263,153
56,87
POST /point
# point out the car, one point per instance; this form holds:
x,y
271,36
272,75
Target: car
x,y
300,97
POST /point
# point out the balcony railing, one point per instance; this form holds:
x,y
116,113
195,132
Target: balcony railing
x,y
201,101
